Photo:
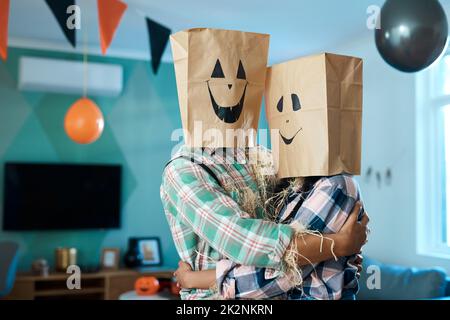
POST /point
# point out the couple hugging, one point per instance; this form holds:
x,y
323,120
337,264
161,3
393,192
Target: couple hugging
x,y
249,223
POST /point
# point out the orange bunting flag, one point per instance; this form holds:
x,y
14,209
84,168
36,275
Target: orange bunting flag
x,y
110,13
4,15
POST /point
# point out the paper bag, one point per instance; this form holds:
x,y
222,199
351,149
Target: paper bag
x,y
314,110
220,77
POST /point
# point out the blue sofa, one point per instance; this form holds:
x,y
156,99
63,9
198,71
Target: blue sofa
x,y
402,283
9,258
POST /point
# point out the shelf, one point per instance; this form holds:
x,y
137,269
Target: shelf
x,y
159,273
64,292
105,284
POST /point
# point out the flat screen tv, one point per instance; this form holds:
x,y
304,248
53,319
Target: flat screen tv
x,y
61,196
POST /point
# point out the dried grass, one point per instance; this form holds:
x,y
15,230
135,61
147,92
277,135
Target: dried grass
x,y
270,203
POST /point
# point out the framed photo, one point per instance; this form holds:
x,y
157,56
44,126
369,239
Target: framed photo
x,y
150,251
110,259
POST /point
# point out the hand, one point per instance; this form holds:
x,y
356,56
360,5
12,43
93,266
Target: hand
x,y
182,275
353,234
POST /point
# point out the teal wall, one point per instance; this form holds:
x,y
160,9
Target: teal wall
x,y
138,126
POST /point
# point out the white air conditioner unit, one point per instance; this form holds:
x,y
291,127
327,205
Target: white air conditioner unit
x,y
66,76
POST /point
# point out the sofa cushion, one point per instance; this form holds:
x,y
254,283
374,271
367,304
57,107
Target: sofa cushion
x,y
401,282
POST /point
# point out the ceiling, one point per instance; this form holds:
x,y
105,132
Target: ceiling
x,y
296,26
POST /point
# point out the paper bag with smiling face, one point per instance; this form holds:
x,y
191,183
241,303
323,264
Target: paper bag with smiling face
x,y
220,78
316,104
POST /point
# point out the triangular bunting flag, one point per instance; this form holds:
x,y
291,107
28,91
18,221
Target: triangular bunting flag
x,y
110,13
4,14
159,36
59,9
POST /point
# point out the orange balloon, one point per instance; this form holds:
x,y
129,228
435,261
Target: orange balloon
x,y
84,121
146,286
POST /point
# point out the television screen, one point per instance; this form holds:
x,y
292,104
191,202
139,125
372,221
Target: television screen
x,y
61,196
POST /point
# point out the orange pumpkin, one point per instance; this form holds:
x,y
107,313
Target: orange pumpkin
x,y
146,286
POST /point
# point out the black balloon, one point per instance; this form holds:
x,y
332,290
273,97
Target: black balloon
x,y
413,33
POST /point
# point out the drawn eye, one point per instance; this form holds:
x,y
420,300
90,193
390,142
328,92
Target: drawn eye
x,y
217,72
295,102
241,72
280,105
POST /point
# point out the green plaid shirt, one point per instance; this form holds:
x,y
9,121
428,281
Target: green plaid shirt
x,y
207,222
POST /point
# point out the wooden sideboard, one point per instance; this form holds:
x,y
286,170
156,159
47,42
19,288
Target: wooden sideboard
x,y
102,285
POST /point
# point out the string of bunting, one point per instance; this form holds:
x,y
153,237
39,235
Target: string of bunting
x,y
59,10
4,14
110,14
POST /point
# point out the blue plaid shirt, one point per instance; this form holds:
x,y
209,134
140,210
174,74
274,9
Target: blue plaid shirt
x,y
325,209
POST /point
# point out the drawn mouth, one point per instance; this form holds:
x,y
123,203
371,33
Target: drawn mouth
x,y
289,141
228,114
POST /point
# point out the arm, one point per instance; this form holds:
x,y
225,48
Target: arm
x,y
349,240
228,288
247,282
319,211
236,281
215,217
188,279
332,206
314,249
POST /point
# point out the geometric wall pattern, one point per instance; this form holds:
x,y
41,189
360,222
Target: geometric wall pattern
x,y
138,127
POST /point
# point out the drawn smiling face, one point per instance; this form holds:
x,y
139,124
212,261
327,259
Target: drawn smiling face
x,y
222,102
296,106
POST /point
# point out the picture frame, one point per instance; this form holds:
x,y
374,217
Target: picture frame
x,y
110,259
150,250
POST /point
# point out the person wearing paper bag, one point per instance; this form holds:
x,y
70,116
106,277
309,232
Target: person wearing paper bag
x,y
203,183
307,100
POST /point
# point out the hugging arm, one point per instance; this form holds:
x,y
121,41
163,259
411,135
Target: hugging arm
x,y
326,211
331,207
236,281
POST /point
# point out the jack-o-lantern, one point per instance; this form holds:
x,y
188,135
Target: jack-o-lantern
x,y
313,107
296,106
146,286
220,78
231,111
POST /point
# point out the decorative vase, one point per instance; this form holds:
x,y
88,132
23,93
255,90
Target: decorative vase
x,y
133,257
64,257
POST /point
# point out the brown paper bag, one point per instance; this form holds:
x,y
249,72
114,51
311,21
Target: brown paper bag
x,y
220,78
316,104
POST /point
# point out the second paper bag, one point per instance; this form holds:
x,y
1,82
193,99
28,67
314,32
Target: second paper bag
x,y
314,108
